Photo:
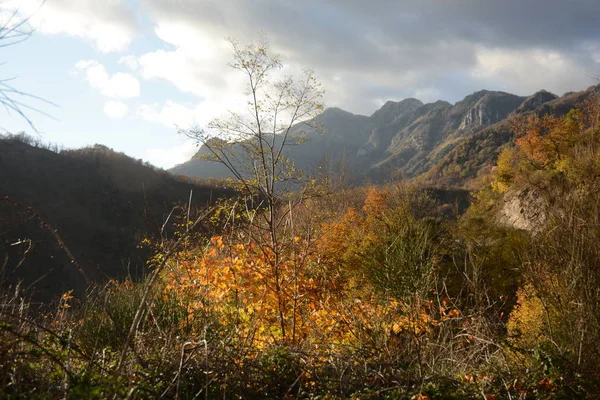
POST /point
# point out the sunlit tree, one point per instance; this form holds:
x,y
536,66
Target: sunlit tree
x,y
253,144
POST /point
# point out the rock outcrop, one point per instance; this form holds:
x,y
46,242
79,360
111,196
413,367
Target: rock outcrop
x,y
489,109
524,209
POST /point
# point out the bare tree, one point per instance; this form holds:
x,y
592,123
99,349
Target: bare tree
x,y
15,28
252,144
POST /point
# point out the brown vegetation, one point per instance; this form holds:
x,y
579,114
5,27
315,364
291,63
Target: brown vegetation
x,y
374,292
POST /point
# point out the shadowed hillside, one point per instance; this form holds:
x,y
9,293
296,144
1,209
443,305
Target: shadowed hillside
x,y
100,202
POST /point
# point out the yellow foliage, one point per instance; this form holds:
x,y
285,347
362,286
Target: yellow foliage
x,y
506,169
375,201
550,143
526,322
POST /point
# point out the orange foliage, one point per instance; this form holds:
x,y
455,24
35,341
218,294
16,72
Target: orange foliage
x,y
237,281
323,297
546,140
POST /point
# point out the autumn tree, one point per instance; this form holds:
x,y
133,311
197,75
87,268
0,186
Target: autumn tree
x,y
253,143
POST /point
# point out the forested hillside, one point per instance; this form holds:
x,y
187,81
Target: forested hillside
x,y
100,203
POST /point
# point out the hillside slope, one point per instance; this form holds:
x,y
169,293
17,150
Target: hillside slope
x,y
476,155
99,201
345,134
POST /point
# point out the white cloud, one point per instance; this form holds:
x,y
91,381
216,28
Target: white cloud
x,y
115,109
119,85
169,157
110,24
130,61
171,114
366,51
526,71
197,65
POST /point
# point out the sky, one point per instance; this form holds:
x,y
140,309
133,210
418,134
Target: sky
x,y
129,73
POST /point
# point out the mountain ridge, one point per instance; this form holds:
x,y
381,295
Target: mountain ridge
x,y
412,138
101,203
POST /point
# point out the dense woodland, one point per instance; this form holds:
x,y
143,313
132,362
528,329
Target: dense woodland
x,y
303,286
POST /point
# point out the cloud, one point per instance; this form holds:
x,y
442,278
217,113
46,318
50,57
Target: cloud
x,y
524,72
119,85
427,94
368,51
197,65
109,24
170,114
130,61
115,109
172,156
178,115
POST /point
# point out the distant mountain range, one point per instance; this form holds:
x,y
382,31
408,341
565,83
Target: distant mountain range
x,y
437,143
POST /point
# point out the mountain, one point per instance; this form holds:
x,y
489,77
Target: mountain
x,y
344,136
418,145
474,156
100,202
437,143
534,101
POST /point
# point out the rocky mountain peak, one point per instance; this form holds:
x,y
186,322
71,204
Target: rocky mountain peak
x,y
393,109
473,97
386,122
535,100
489,108
438,139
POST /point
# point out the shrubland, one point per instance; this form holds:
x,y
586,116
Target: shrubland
x,y
380,292
332,292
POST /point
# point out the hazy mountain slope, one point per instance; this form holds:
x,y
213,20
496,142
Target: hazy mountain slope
x,y
386,122
197,166
448,142
99,201
345,134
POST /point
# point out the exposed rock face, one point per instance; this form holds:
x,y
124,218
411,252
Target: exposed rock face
x,y
477,116
385,123
489,109
524,209
430,125
469,156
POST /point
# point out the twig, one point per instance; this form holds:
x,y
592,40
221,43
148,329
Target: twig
x,y
53,232
153,278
